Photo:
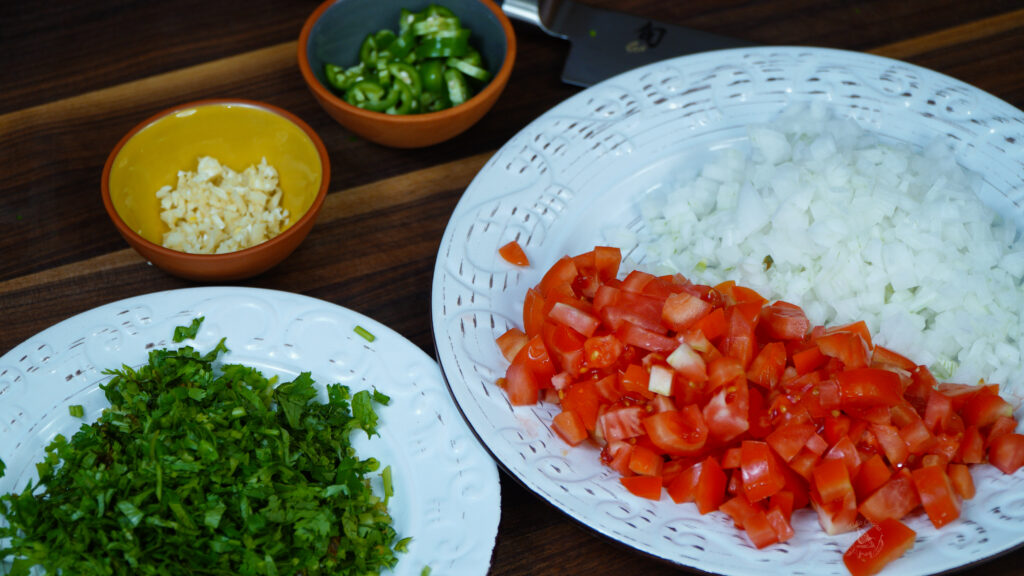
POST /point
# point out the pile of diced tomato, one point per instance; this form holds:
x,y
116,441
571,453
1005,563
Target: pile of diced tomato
x,y
717,396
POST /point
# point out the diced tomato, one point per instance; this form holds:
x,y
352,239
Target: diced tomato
x,y
621,423
963,483
709,492
616,455
713,325
521,385
606,261
873,473
808,360
866,387
762,474
739,509
583,399
780,524
645,461
682,310
602,351
1007,452
634,335
679,432
634,379
569,427
984,408
760,530
513,254
534,312
562,272
877,547
848,347
845,450
688,364
579,320
894,499
768,366
658,370
882,357
785,321
727,412
643,486
787,440
1000,427
838,516
738,341
938,497
511,342
832,480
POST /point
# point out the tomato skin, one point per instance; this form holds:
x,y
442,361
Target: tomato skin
x,y
873,474
768,366
984,408
709,492
868,387
511,342
789,439
762,474
643,486
569,427
877,547
938,498
963,483
562,272
521,385
1007,453
645,462
621,423
832,480
513,254
785,321
583,399
534,312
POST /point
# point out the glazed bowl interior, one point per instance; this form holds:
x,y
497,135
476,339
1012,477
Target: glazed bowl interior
x,y
237,134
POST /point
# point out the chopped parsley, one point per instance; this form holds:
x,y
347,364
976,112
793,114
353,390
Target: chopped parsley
x,y
204,468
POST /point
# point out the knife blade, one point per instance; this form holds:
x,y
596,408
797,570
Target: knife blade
x,y
605,42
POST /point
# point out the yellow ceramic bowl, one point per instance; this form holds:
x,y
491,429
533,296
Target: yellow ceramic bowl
x,y
238,133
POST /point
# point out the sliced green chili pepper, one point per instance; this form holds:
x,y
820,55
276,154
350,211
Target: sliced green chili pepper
x,y
458,92
428,65
445,46
469,69
432,75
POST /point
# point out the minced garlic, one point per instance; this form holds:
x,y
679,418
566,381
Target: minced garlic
x,y
216,210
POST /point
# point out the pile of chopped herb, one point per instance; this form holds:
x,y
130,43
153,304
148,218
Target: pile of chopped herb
x,y
197,470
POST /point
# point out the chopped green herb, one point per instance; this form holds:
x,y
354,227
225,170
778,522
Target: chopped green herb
x,y
182,333
768,261
76,411
593,33
365,333
199,467
426,571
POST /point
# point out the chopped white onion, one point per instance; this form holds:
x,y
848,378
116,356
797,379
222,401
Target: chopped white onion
x,y
824,214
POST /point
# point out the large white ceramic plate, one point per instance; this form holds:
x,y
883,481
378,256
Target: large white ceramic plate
x,y
447,495
583,166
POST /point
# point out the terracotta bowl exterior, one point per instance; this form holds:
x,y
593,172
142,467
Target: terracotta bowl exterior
x,y
336,29
238,133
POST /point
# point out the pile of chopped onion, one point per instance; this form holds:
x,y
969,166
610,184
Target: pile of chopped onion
x,y
825,215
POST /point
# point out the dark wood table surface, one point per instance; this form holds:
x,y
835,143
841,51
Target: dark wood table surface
x,y
76,76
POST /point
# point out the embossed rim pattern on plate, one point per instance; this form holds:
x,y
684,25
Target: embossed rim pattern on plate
x,y
579,168
447,494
